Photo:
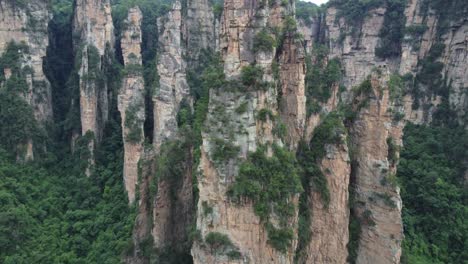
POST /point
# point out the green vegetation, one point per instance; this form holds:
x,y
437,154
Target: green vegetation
x,y
242,108
354,11
270,182
52,213
393,150
320,77
306,11
224,150
354,237
415,33
264,41
221,244
434,193
217,7
330,131
15,113
251,76
309,156
392,31
396,87
133,123
265,114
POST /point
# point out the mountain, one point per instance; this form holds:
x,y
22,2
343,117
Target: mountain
x,y
242,131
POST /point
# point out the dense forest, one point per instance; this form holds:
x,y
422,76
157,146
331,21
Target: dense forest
x,y
52,212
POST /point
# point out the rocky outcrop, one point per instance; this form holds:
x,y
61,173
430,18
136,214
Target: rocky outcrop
x,y
310,31
235,35
141,235
173,87
292,80
355,47
173,204
378,201
93,42
200,26
27,23
234,123
455,72
425,33
329,223
376,138
131,100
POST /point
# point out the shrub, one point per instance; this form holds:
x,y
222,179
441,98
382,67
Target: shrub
x,y
263,41
395,86
280,130
354,238
207,210
252,76
265,114
280,238
133,123
218,242
392,151
224,150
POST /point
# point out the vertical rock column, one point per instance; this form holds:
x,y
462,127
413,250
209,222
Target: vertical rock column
x,y
292,80
27,23
232,121
93,33
375,137
131,100
378,205
200,28
329,220
173,205
173,87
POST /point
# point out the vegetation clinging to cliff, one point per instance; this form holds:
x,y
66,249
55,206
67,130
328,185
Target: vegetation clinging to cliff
x,y
16,115
271,183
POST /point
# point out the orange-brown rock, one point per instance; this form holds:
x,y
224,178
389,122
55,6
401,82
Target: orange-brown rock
x,y
131,100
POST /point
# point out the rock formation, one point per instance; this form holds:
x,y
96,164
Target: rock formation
x,y
173,203
241,24
200,26
131,100
267,111
329,223
26,23
376,138
173,87
94,39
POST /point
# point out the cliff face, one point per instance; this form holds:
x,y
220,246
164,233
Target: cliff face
x,y
94,39
131,102
241,117
275,91
27,23
173,87
329,223
375,137
200,27
417,47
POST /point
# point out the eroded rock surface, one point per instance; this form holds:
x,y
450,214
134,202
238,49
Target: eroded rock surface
x,y
131,101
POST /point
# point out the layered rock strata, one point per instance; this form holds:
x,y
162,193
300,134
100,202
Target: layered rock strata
x,y
173,87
